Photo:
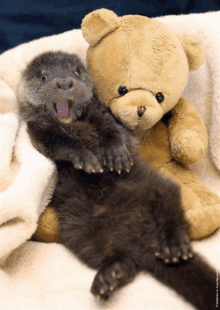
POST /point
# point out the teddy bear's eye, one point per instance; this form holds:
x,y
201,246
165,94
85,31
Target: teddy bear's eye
x,y
44,78
160,97
122,90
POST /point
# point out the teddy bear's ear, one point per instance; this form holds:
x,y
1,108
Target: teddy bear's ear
x,y
194,49
98,24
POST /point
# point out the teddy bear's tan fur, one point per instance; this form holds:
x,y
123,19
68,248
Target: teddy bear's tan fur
x,y
147,58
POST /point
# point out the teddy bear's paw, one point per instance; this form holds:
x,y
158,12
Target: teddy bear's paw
x,y
171,251
188,148
117,159
110,278
86,160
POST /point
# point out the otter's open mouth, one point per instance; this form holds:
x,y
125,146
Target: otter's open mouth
x,y
63,110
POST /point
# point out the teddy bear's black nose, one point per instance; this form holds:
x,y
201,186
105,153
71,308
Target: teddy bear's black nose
x,y
140,111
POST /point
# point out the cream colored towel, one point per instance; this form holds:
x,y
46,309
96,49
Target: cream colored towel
x,y
20,203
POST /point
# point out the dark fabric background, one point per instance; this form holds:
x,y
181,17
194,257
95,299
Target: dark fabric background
x,y
25,20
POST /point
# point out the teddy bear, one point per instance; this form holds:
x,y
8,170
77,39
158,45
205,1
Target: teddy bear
x,y
140,69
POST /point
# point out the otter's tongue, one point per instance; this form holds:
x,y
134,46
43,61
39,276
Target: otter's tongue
x,y
63,111
62,108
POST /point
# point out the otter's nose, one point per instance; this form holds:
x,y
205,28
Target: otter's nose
x,y
65,84
140,111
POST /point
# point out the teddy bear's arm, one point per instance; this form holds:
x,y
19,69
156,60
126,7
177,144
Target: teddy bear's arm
x,y
187,132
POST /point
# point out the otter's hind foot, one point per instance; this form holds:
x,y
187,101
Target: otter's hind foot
x,y
171,251
112,277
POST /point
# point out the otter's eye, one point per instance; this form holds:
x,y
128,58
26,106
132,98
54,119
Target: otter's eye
x,y
44,78
122,90
160,97
76,73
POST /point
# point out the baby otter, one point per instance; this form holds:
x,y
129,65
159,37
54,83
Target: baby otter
x,y
117,214
55,96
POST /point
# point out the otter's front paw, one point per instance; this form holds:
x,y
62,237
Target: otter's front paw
x,y
171,251
86,160
117,158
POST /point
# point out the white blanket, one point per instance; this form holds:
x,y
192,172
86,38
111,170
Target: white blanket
x,y
41,276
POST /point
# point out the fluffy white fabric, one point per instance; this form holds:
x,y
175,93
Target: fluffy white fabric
x,y
41,276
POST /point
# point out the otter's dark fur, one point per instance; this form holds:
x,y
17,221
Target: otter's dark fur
x,y
118,222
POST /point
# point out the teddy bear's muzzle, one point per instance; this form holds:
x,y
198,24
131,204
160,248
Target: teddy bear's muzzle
x,y
137,108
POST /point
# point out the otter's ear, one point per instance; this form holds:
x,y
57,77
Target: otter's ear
x,y
98,24
194,49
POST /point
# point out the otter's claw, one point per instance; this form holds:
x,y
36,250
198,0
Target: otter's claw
x,y
117,158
